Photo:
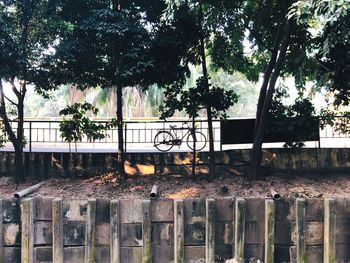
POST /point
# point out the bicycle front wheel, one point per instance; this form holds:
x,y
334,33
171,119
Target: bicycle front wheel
x,y
199,138
163,141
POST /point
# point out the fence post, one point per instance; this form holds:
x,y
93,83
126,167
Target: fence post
x,y
210,231
300,228
329,231
146,232
90,231
27,219
57,231
239,229
115,231
179,231
269,231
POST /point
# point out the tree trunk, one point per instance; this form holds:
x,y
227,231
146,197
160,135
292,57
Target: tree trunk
x,y
16,140
258,140
208,107
121,157
193,151
267,75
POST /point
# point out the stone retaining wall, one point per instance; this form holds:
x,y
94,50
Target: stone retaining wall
x,y
135,231
47,164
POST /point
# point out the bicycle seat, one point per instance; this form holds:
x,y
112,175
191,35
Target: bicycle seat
x,y
172,126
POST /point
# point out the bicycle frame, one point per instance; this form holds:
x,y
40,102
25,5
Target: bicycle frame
x,y
174,132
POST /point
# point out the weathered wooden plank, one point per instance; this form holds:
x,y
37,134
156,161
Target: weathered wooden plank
x,y
210,231
27,219
300,230
194,252
161,254
44,211
342,252
131,235
254,232
11,234
194,210
102,254
11,210
43,254
162,210
115,231
314,210
130,211
131,254
74,234
283,232
27,240
43,233
224,233
102,211
195,234
90,231
12,255
329,231
146,232
240,208
74,210
102,235
57,231
162,234
269,231
254,251
254,211
73,254
221,208
1,234
179,231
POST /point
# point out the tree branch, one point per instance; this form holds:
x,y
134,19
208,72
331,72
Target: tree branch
x,y
11,101
5,118
14,89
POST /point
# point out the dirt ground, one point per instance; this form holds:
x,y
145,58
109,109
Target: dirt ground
x,y
177,186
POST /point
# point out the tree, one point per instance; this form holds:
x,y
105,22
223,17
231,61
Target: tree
x,y
114,47
27,31
205,18
104,46
280,48
195,99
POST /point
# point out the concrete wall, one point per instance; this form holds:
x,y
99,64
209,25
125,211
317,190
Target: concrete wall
x,y
47,164
26,228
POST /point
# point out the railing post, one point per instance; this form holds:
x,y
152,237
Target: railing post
x,y
125,137
30,136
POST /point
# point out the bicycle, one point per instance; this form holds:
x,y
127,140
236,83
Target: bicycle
x,y
165,140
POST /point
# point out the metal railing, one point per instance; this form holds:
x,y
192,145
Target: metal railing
x,y
136,133
140,134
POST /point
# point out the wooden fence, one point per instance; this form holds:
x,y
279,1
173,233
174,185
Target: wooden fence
x,y
299,230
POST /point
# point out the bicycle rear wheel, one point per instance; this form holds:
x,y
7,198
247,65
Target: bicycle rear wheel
x,y
200,139
163,141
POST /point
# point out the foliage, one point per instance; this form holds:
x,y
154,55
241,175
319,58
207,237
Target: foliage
x,y
196,98
328,22
296,122
340,121
78,125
